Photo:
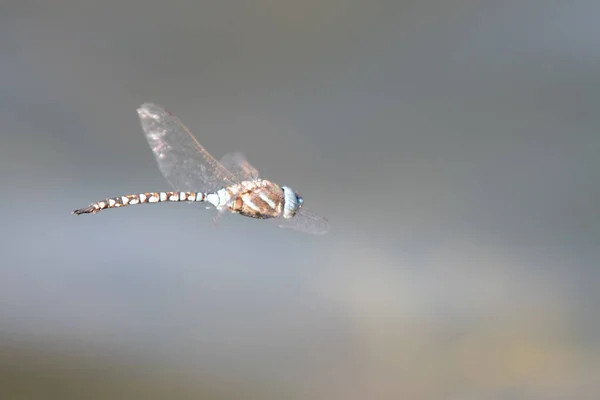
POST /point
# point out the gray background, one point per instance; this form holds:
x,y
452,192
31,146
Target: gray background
x,y
452,144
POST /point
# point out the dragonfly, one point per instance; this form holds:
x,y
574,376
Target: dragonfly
x,y
231,184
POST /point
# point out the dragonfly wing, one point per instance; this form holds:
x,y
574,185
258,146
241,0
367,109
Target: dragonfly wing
x,y
305,222
185,164
237,164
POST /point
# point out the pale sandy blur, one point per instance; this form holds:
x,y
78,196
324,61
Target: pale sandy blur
x,y
453,144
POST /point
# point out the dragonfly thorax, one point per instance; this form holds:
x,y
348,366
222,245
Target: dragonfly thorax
x,y
292,202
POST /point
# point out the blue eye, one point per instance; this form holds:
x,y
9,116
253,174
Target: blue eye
x,y
300,200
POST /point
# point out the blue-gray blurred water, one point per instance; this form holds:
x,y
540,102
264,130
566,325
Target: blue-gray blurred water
x,y
452,144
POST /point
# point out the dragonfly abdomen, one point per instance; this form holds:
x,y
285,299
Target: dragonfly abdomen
x,y
144,198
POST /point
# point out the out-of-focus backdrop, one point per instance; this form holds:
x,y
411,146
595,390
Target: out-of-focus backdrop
x,y
453,145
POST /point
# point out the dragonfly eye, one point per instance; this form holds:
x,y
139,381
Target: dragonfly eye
x,y
292,202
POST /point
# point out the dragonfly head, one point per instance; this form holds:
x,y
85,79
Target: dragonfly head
x,y
292,202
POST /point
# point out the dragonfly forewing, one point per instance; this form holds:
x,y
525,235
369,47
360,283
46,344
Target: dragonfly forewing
x,y
183,161
307,222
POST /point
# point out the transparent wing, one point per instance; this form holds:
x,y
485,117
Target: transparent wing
x,y
185,164
306,222
237,164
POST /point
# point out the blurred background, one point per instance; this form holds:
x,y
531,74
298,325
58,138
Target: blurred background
x,y
453,145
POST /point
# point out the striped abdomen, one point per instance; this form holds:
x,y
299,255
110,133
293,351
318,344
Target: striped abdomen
x,y
143,198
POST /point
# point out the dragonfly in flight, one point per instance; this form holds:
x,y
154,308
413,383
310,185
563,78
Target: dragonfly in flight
x,y
197,177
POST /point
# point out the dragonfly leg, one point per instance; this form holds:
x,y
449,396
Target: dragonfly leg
x,y
217,217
